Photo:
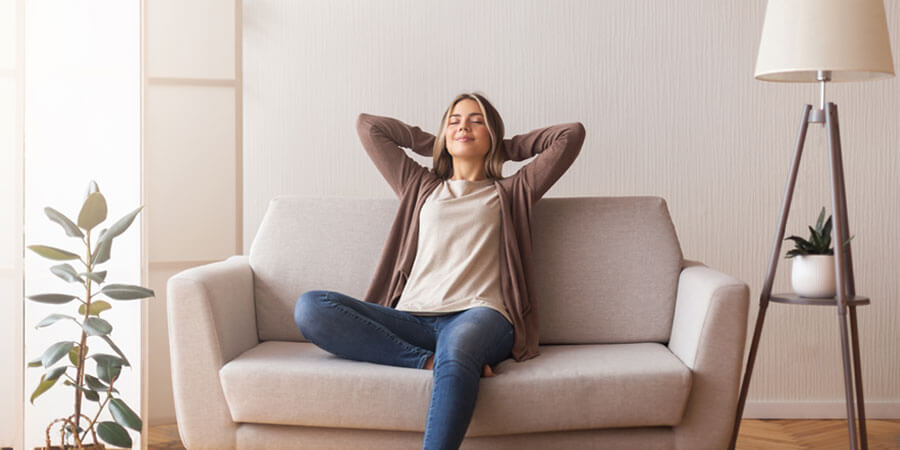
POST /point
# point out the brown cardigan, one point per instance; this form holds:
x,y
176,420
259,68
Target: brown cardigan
x,y
556,147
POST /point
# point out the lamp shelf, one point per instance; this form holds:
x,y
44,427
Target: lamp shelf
x,y
795,299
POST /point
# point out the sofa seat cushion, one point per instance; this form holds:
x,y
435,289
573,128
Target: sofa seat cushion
x,y
567,387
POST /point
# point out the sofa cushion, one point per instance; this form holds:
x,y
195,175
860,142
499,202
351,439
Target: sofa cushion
x,y
313,243
568,387
605,268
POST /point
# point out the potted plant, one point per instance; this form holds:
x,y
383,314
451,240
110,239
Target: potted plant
x,y
812,271
69,360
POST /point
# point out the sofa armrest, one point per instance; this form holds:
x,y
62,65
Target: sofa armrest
x,y
211,320
703,293
709,334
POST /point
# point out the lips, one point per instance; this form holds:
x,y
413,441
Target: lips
x,y
464,139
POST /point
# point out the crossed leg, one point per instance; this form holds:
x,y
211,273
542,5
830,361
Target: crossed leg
x,y
364,331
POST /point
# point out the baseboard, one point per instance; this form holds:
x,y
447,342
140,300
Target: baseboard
x,y
159,419
817,410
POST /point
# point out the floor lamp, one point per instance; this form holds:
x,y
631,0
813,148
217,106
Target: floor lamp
x,y
822,41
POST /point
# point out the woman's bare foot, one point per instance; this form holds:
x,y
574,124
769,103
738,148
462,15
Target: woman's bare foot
x,y
486,372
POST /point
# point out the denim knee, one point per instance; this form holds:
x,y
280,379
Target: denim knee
x,y
306,311
463,359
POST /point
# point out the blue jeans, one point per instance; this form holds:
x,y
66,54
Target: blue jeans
x,y
461,342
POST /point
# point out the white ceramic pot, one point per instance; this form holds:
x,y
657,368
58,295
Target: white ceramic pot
x,y
813,276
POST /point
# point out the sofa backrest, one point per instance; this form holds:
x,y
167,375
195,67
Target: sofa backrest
x,y
606,268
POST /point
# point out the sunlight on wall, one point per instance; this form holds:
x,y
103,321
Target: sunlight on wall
x,y
82,122
10,226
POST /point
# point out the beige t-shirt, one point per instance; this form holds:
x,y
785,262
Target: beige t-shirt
x,y
457,263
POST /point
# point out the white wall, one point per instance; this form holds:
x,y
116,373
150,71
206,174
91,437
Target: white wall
x,y
81,122
11,114
666,92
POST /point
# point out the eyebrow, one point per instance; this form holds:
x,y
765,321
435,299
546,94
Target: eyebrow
x,y
471,114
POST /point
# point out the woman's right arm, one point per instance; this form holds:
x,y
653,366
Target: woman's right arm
x,y
382,138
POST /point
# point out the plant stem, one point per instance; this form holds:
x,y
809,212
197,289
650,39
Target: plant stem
x,y
99,410
79,377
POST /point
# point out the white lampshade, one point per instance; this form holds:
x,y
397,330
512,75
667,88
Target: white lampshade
x,y
848,38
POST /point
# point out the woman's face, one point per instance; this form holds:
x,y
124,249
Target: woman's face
x,y
467,135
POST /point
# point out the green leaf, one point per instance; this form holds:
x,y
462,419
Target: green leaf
x,y
124,415
55,373
114,434
35,362
96,384
52,253
122,224
104,243
103,358
55,352
820,219
800,243
73,354
108,373
126,292
93,211
67,224
95,276
814,239
796,239
95,326
90,395
51,319
102,252
116,349
108,367
66,272
55,299
97,307
42,387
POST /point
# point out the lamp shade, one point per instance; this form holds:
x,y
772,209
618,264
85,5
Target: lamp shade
x,y
848,38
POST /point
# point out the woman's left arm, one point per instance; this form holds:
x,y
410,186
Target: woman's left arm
x,y
556,148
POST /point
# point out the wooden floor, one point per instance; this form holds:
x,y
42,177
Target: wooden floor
x,y
755,435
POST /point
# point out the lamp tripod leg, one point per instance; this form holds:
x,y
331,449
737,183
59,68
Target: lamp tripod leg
x,y
848,378
845,285
860,403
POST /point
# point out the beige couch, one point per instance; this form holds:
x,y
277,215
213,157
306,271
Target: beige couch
x,y
640,349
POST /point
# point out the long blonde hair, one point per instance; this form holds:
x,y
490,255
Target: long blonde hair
x,y
493,160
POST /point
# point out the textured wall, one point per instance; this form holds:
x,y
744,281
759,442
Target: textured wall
x,y
667,94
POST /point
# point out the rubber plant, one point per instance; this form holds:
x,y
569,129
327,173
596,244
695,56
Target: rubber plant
x,y
69,360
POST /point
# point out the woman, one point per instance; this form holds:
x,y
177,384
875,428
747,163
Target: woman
x,y
452,291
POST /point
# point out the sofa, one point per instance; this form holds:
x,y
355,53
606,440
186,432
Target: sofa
x,y
639,347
